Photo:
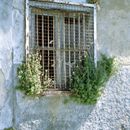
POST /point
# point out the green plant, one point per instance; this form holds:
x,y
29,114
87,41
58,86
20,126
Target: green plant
x,y
93,1
10,128
30,78
87,80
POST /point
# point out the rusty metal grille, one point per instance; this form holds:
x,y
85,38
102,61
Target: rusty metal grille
x,y
62,39
44,40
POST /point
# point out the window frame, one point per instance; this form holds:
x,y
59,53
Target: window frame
x,y
62,6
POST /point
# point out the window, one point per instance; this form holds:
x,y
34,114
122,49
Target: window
x,y
62,37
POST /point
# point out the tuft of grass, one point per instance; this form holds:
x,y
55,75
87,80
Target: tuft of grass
x,y
88,81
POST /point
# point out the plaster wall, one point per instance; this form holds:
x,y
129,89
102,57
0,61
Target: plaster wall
x,y
5,63
11,53
114,29
112,112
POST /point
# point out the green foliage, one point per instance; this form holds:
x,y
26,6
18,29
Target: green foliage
x,y
10,128
31,80
87,80
93,1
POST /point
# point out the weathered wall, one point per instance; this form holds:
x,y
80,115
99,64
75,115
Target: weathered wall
x,y
49,113
5,63
112,112
18,36
114,29
11,53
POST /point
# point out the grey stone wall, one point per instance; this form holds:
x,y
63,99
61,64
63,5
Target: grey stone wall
x,y
112,112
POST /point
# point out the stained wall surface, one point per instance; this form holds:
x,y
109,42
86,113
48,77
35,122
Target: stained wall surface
x,y
5,63
112,112
11,54
114,29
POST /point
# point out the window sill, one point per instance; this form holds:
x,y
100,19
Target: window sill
x,y
56,92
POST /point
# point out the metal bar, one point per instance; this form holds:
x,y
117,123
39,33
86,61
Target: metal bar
x,y
64,50
95,36
27,28
84,32
74,34
79,35
43,42
61,6
59,48
54,65
69,48
68,3
37,29
58,57
48,47
33,32
31,29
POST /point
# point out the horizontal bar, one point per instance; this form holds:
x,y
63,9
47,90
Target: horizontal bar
x,y
62,6
65,2
46,49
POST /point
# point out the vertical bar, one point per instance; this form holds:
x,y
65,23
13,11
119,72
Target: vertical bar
x,y
69,48
79,36
54,65
37,30
95,36
58,57
48,46
33,31
64,50
59,23
84,46
74,35
43,43
27,28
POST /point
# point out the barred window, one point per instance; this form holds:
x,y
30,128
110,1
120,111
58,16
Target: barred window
x,y
62,37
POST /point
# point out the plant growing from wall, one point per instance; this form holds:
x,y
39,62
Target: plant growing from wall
x,y
93,1
88,81
10,128
30,78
